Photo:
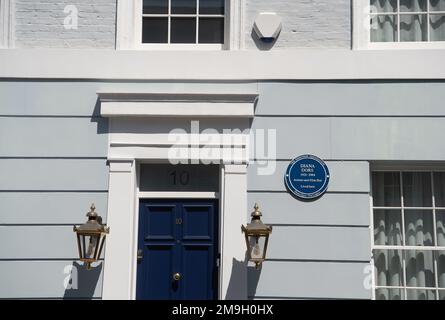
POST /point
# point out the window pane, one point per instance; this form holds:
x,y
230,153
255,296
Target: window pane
x,y
386,189
384,28
154,30
413,294
437,27
440,227
387,227
419,228
439,188
389,294
384,5
442,294
211,6
413,5
211,30
183,30
413,27
388,265
441,268
417,189
183,6
155,6
437,5
419,268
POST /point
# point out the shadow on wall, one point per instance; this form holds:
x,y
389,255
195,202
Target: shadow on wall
x,y
235,290
260,44
83,282
253,276
102,123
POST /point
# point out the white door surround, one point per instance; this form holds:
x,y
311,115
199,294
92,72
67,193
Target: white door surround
x,y
139,131
7,12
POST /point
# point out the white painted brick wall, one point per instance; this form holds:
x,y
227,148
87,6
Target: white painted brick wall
x,y
39,23
306,23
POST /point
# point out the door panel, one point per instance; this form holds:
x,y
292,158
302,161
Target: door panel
x,y
158,275
198,222
197,276
160,222
177,236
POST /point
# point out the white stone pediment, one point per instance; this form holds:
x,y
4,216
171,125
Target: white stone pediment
x,y
207,127
193,105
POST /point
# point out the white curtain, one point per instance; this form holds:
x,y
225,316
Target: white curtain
x,y
413,27
437,27
386,189
419,273
441,271
439,189
388,265
413,294
389,294
440,226
384,5
413,5
419,231
419,228
437,5
417,189
384,28
387,227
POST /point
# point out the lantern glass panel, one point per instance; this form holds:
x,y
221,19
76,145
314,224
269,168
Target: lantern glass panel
x,y
256,246
100,246
80,245
90,246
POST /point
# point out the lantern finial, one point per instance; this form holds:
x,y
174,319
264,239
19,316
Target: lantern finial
x,y
256,214
92,214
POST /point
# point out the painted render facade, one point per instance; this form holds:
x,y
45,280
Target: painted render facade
x,y
60,151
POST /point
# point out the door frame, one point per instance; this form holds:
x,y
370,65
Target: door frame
x,y
177,195
122,218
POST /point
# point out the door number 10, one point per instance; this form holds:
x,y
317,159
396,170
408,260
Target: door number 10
x,y
181,178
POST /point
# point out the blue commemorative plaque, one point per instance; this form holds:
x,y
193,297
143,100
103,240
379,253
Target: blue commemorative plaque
x,y
307,177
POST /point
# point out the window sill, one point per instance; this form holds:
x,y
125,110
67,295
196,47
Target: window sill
x,y
179,46
404,45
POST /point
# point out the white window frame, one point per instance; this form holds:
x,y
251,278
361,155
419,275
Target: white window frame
x,y
361,35
403,247
129,29
6,23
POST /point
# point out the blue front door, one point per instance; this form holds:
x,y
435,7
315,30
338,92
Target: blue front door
x,y
177,249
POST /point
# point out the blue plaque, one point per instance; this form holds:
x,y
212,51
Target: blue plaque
x,y
307,177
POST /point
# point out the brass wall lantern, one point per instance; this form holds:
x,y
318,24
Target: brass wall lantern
x,y
91,237
257,237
